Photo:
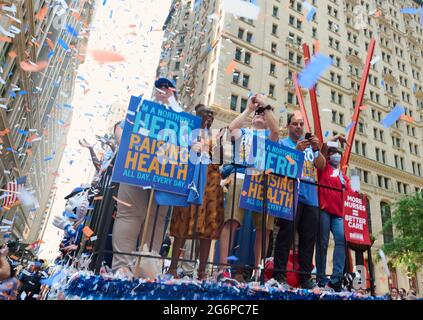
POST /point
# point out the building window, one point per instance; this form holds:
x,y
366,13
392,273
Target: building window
x,y
243,104
385,210
314,32
334,116
234,102
299,24
272,68
290,98
240,33
273,47
245,80
299,7
275,11
274,29
249,37
177,65
299,59
235,77
238,54
380,181
247,58
271,90
366,176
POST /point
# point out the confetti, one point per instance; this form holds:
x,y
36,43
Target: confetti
x,y
37,67
231,67
312,72
375,60
5,221
393,116
121,202
348,128
5,39
71,30
407,118
103,56
50,43
232,258
63,44
316,46
310,14
241,9
291,161
42,13
409,10
87,231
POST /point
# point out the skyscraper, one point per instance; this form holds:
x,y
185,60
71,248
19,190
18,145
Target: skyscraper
x,y
34,108
218,59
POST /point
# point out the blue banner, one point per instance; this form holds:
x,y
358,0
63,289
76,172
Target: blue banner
x,y
281,191
155,148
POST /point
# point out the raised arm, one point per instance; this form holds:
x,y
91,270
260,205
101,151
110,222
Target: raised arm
x,y
94,158
270,119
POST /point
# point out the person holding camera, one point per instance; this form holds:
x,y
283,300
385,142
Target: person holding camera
x,y
263,126
307,211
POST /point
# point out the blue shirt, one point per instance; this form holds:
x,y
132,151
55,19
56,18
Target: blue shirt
x,y
307,193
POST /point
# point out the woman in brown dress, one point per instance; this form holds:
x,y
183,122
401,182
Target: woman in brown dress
x,y
210,213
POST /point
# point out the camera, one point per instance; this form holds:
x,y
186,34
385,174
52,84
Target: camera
x,y
308,135
11,244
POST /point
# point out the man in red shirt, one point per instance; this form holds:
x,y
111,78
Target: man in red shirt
x,y
331,216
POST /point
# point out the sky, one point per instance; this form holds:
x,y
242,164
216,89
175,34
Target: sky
x,y
128,27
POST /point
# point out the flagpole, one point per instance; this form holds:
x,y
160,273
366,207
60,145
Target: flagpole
x,y
313,100
301,102
9,191
347,153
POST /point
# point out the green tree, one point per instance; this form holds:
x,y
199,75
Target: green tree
x,y
406,249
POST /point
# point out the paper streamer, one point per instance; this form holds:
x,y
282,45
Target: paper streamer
x,y
312,72
393,116
241,9
385,262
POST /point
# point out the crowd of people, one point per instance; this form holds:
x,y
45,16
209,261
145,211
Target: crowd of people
x,y
20,281
318,213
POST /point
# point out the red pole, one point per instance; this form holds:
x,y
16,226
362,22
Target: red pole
x,y
313,100
346,157
301,102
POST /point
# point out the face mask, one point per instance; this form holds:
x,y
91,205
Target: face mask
x,y
335,159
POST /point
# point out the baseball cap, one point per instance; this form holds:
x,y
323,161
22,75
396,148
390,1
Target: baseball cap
x,y
164,82
74,192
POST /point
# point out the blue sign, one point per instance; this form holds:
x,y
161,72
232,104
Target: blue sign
x,y
155,148
281,191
